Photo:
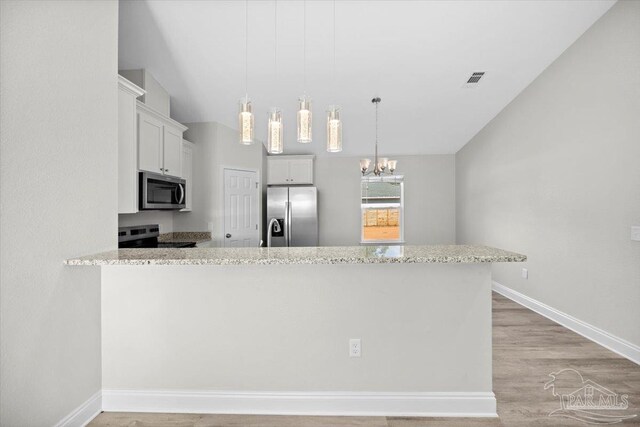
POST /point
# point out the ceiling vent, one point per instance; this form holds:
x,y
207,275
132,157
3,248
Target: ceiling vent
x,y
474,79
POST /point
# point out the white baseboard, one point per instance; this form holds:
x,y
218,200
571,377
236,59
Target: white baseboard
x,y
303,403
605,339
83,414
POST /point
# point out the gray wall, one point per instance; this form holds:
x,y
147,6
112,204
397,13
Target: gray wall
x,y
216,147
286,328
555,176
429,199
59,122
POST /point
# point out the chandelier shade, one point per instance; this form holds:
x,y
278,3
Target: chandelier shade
x,y
364,164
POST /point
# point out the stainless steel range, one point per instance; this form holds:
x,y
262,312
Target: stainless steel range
x,y
146,236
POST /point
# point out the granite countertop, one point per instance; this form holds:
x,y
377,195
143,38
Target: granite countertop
x,y
297,255
185,236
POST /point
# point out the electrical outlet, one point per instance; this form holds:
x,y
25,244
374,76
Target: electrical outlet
x,y
525,273
635,233
355,347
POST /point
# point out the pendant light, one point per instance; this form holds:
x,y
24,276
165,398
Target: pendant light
x,y
380,164
304,103
245,116
276,131
304,120
334,130
334,124
275,127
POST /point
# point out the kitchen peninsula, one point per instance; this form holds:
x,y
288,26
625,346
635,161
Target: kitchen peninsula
x,y
272,330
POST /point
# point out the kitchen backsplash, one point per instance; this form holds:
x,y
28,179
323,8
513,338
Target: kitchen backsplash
x,y
163,218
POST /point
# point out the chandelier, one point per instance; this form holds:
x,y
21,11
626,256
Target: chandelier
x,y
381,165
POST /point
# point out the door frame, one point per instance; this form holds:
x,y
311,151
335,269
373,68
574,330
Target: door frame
x,y
223,189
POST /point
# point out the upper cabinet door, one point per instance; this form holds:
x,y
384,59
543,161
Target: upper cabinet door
x,y
187,173
172,151
277,171
150,134
301,171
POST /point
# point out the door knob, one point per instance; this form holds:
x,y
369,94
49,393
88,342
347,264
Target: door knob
x,y
228,236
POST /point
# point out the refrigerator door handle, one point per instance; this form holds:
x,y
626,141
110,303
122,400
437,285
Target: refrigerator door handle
x,y
290,222
286,223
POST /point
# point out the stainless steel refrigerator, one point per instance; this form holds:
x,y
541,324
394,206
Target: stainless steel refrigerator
x,y
292,216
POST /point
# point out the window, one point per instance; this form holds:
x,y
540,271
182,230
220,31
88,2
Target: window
x,y
382,209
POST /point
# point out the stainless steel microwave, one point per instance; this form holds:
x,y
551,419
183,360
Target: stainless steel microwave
x,y
161,192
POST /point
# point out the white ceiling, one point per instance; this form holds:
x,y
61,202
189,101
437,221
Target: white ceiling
x,y
415,55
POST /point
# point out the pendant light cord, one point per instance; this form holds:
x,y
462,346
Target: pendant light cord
x,y
376,158
246,50
376,169
275,45
334,48
304,48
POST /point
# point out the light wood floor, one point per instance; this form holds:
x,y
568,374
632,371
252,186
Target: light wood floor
x,y
526,348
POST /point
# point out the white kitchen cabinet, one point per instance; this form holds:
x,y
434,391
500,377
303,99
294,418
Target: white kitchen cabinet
x,y
150,136
187,173
301,171
277,171
172,151
127,146
289,170
159,142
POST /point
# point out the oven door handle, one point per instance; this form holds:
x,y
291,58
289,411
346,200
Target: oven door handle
x,y
181,194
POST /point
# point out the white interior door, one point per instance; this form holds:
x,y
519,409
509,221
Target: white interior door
x,y
240,208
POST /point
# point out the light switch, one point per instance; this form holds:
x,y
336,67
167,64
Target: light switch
x,y
635,233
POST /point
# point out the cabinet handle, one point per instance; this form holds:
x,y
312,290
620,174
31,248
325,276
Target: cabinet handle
x,y
166,170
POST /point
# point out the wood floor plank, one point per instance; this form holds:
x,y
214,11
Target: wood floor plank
x,y
526,349
218,420
444,422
